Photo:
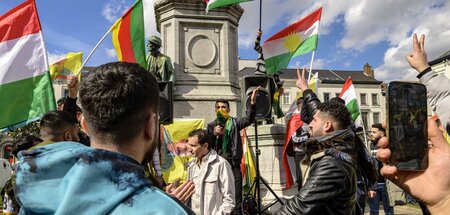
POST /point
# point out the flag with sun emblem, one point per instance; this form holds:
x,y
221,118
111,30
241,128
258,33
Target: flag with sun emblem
x,y
297,39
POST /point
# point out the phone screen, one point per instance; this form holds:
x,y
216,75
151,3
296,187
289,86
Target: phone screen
x,y
407,120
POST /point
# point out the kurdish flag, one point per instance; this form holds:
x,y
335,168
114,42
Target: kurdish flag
x,y
128,35
70,65
349,95
212,4
26,90
297,39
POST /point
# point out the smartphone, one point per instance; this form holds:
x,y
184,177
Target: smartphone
x,y
407,125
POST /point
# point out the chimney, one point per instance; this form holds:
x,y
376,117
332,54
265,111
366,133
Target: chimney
x,y
368,70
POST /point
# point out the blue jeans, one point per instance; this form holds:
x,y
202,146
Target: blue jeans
x,y
374,203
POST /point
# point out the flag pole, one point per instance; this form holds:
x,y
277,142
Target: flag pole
x,y
260,13
310,66
93,50
364,129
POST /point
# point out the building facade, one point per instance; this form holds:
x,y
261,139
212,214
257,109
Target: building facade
x,y
370,95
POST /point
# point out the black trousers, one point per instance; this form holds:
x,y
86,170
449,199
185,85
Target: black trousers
x,y
238,189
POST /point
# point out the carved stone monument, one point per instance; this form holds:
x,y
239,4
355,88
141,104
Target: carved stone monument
x,y
204,50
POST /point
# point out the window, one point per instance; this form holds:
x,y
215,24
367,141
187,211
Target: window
x,y
375,99
376,118
363,99
326,96
65,93
365,119
286,98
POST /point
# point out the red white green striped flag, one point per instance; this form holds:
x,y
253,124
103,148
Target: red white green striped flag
x,y
349,95
26,90
297,39
212,4
128,35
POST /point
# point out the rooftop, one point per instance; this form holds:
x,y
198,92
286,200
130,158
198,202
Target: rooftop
x,y
326,76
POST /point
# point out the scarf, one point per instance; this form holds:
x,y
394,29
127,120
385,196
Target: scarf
x,y
224,119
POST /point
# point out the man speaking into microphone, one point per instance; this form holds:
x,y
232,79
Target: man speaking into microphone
x,y
228,143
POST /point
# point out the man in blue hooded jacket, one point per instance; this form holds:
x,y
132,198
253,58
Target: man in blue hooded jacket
x,y
120,103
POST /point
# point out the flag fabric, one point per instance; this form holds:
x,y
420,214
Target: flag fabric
x,y
70,65
312,84
298,38
348,94
175,155
293,124
212,4
26,90
247,165
128,35
276,104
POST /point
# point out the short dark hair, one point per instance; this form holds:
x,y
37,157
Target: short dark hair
x,y
61,101
379,127
116,99
55,123
203,137
24,143
338,112
338,100
222,101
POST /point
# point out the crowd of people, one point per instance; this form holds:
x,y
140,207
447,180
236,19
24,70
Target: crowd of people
x,y
92,159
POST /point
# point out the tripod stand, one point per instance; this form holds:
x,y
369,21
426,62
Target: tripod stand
x,y
258,179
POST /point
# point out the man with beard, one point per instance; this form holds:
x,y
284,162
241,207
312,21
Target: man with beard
x,y
120,114
378,191
330,179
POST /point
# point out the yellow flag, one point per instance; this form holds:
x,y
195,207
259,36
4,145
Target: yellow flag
x,y
175,152
70,65
313,82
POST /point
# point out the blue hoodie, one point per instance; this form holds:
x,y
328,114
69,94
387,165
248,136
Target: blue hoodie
x,y
70,178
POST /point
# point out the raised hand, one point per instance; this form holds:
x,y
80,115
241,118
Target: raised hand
x,y
301,81
253,98
73,86
417,59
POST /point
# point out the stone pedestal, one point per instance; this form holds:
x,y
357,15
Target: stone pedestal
x,y
270,143
204,51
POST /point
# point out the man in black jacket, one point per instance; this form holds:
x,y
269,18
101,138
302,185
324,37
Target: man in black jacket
x,y
228,143
330,179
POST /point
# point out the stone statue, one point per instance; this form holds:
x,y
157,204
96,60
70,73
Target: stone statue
x,y
158,64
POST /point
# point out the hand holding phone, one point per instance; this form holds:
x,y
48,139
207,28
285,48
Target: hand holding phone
x,y
407,120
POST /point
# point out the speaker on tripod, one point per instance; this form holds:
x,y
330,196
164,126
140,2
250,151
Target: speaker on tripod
x,y
263,97
263,111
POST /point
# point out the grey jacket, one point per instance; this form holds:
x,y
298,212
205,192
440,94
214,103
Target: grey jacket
x,y
438,93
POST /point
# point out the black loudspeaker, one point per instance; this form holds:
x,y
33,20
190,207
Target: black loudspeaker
x,y
263,97
165,102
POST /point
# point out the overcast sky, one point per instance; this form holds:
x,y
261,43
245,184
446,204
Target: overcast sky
x,y
352,32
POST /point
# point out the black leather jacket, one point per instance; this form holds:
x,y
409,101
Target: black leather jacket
x,y
310,103
330,187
